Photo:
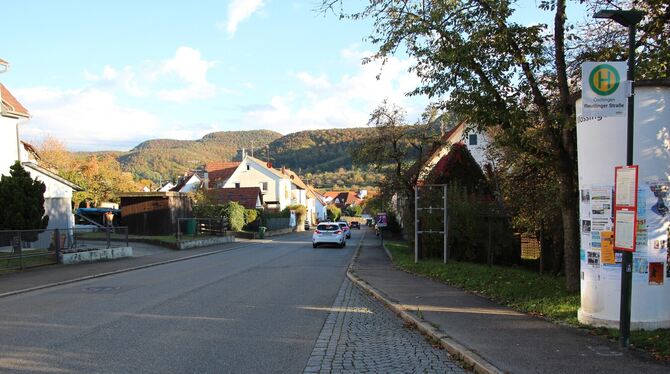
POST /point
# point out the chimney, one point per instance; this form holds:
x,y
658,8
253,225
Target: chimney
x,y
244,153
283,170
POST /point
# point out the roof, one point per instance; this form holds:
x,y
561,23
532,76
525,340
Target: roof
x,y
343,197
246,196
221,170
52,175
265,165
31,150
317,196
183,180
10,106
294,178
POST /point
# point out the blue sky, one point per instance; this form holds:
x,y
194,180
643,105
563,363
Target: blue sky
x,y
108,75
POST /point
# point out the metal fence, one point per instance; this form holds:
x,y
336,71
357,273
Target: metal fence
x,y
189,228
277,223
20,249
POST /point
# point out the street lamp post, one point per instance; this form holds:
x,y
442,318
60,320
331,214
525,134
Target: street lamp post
x,y
630,19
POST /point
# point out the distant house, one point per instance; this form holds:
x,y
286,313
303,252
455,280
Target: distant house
x,y
58,194
189,182
475,142
316,200
249,197
342,199
280,188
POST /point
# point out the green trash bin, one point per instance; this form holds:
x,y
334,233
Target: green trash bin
x,y
189,226
261,232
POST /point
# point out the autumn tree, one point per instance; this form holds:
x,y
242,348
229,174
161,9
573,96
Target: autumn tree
x,y
495,72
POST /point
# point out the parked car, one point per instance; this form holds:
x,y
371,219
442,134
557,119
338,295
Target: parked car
x,y
306,225
328,233
356,225
345,228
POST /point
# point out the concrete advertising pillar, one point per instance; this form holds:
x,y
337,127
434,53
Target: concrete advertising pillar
x,y
601,145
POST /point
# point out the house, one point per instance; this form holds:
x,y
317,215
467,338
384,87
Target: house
x,y
316,200
475,142
189,182
58,194
280,188
218,173
342,199
248,197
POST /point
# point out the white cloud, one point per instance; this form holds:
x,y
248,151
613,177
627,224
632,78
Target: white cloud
x,y
238,11
346,102
191,69
88,119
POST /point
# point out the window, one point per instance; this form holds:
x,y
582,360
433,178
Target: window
x,y
237,185
264,186
473,139
248,167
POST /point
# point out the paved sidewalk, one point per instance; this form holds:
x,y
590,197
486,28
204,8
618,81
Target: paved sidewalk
x,y
361,335
41,276
511,341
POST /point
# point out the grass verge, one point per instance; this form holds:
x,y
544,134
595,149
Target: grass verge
x,y
522,290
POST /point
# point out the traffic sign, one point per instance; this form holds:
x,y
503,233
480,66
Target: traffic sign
x,y
382,220
604,92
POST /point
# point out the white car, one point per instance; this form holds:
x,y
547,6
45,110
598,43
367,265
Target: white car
x,y
328,233
345,227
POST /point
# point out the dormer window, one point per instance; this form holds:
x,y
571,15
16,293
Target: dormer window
x,y
248,167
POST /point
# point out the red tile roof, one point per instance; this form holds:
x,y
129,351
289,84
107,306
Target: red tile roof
x,y
220,170
344,198
246,196
10,105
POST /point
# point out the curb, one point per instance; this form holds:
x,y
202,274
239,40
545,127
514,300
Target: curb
x,y
478,363
54,284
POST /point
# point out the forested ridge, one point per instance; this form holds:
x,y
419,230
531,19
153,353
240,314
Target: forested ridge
x,y
323,157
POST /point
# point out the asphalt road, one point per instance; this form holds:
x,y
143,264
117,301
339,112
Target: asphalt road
x,y
254,309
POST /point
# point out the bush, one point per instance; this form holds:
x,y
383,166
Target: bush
x,y
251,219
333,213
234,212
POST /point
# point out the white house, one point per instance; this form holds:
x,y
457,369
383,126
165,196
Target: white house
x,y
476,143
190,182
280,188
58,194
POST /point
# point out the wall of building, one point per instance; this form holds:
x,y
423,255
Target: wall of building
x,y
8,146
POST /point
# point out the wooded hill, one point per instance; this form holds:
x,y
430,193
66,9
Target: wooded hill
x,y
312,151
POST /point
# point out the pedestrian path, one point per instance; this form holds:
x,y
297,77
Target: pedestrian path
x,y
511,341
361,335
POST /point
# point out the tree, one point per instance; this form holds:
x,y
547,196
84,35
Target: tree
x,y
494,72
22,201
396,149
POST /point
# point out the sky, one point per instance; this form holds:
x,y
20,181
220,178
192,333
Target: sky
x,y
109,75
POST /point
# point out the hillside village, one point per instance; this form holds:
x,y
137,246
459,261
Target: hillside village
x,y
476,186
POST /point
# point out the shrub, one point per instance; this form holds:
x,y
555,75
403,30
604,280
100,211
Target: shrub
x,y
333,212
234,212
251,219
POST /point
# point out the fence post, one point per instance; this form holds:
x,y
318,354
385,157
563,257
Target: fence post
x,y
127,242
57,242
109,238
